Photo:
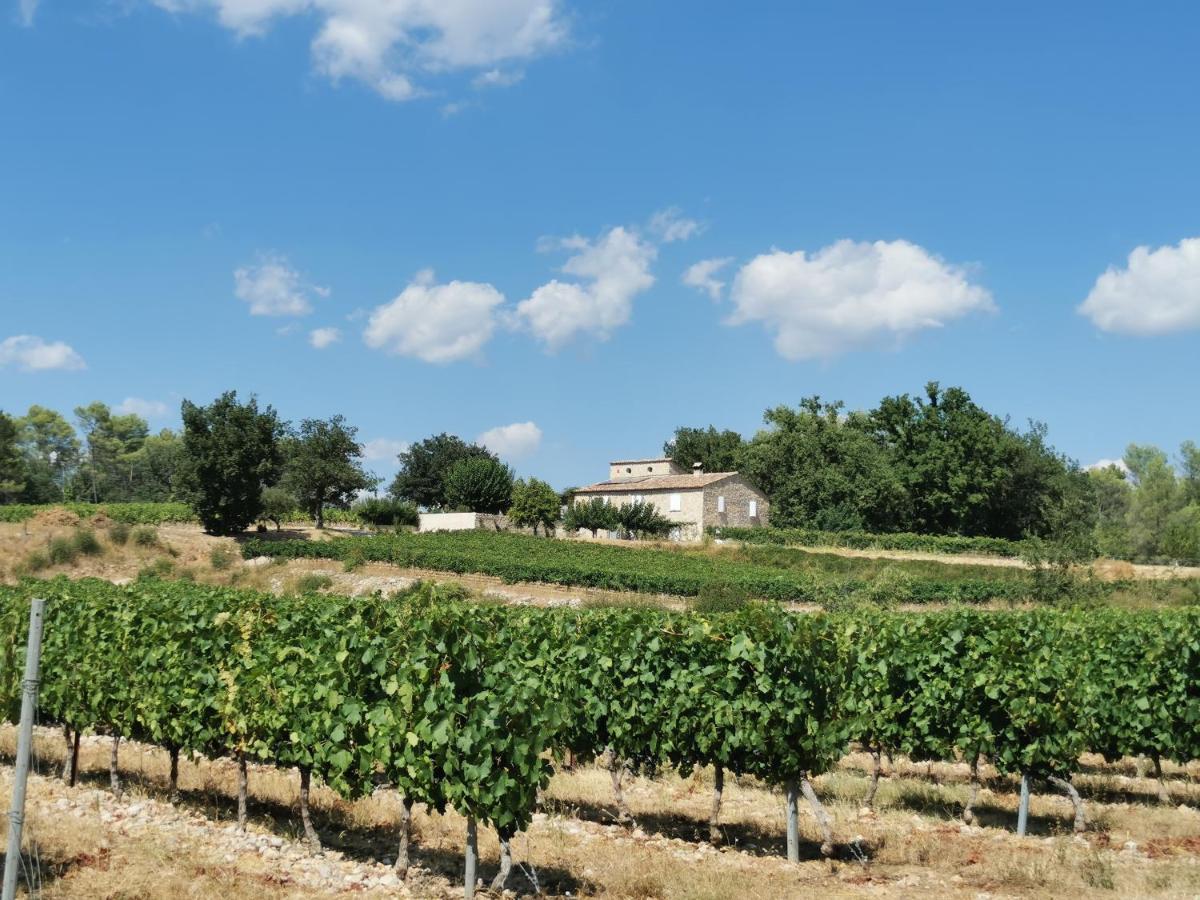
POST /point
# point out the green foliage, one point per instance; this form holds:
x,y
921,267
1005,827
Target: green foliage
x,y
231,450
312,583
221,558
425,465
534,504
386,512
278,506
861,540
118,534
824,470
61,551
145,536
643,520
719,597
784,575
592,515
160,568
716,451
84,541
479,484
324,466
12,464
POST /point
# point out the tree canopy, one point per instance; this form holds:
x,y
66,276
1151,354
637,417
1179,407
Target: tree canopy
x,y
716,451
480,484
231,451
324,466
425,465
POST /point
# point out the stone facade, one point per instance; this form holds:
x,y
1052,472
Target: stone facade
x,y
703,499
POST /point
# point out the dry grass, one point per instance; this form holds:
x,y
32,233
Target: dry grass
x,y
913,845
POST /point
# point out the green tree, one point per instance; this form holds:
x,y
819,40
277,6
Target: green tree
x,y
425,465
592,515
231,450
1189,471
1112,494
52,453
156,467
823,469
480,484
277,505
534,503
643,520
716,451
323,466
12,463
1155,498
111,443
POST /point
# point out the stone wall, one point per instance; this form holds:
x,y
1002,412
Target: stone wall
x,y
737,494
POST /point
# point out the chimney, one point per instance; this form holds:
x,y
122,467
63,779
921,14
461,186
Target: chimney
x,y
697,468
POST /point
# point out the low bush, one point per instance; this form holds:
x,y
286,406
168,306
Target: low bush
x,y
145,537
384,512
61,551
221,558
862,540
118,534
160,568
719,597
312,583
84,541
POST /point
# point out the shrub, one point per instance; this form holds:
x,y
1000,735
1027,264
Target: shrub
x,y
33,562
479,484
720,597
85,542
890,587
385,512
311,583
221,558
61,551
118,534
145,536
278,506
160,568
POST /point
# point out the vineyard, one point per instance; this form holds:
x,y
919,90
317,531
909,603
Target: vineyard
x,y
864,540
783,575
465,705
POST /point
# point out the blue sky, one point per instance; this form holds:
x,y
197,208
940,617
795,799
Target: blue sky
x,y
494,204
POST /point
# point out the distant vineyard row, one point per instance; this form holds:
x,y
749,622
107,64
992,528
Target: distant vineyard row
x,y
862,540
143,513
516,557
460,704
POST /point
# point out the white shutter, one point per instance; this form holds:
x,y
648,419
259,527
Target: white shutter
x,y
720,504
676,502
753,509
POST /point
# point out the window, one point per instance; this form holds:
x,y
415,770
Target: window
x,y
649,468
676,502
628,469
754,509
720,504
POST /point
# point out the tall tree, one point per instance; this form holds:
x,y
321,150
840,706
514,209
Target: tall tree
x,y
1157,496
156,467
110,442
324,466
823,469
1112,494
52,453
479,484
12,462
230,451
425,464
716,451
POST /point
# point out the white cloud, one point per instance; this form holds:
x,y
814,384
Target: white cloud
x,y
323,337
32,354
391,44
1105,463
384,449
670,225
274,288
1157,292
514,441
850,295
497,78
438,323
700,275
615,269
147,409
26,10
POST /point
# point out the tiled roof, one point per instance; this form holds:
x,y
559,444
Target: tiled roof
x,y
641,484
622,462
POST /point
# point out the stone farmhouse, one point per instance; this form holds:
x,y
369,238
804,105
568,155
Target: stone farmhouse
x,y
696,500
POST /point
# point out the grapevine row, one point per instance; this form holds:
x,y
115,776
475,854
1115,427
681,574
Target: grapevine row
x,y
462,704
